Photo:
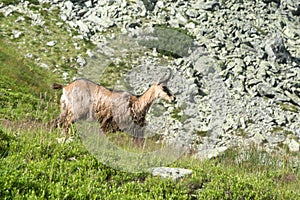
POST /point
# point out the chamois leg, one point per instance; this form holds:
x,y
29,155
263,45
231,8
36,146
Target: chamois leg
x,y
140,142
137,133
68,122
61,120
106,125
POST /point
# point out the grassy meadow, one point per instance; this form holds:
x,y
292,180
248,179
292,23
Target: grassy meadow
x,y
34,165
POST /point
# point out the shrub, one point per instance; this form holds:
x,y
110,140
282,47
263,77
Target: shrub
x,y
168,41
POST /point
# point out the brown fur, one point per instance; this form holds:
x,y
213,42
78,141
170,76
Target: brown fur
x,y
114,110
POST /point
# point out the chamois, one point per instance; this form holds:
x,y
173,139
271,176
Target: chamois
x,y
114,110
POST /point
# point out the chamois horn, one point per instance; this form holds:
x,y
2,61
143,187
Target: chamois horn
x,y
166,78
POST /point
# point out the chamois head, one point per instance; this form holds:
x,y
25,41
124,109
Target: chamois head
x,y
161,89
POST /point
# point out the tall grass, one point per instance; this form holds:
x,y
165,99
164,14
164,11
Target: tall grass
x,y
33,164
25,90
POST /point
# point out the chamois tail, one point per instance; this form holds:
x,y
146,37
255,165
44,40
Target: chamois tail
x,y
56,86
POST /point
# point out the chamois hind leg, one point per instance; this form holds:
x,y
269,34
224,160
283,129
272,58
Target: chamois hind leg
x,y
68,122
138,137
61,120
139,142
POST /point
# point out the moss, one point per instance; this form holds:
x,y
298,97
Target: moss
x,y
174,42
250,121
193,21
202,133
176,113
10,2
284,146
277,129
112,73
240,132
289,107
35,2
261,31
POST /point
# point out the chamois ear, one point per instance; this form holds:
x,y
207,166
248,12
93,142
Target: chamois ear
x,y
165,78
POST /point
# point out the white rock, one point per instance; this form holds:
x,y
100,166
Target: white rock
x,y
20,19
293,145
43,65
83,27
69,6
210,153
88,3
181,19
51,43
160,4
168,172
190,25
90,53
17,34
81,61
64,17
7,11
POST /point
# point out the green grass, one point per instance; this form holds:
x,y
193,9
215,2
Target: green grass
x,y
24,88
62,56
34,165
112,73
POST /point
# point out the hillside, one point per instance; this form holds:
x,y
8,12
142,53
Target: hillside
x,y
236,75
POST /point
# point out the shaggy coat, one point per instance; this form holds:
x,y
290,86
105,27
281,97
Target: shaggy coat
x,y
114,110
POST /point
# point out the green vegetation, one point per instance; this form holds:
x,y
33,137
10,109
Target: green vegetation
x,y
168,41
289,107
202,133
127,143
177,114
13,2
24,87
112,73
34,165
8,2
32,42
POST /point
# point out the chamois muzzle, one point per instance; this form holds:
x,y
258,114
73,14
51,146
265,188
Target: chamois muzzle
x,y
174,99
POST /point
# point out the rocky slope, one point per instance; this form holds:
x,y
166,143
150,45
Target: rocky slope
x,y
237,85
